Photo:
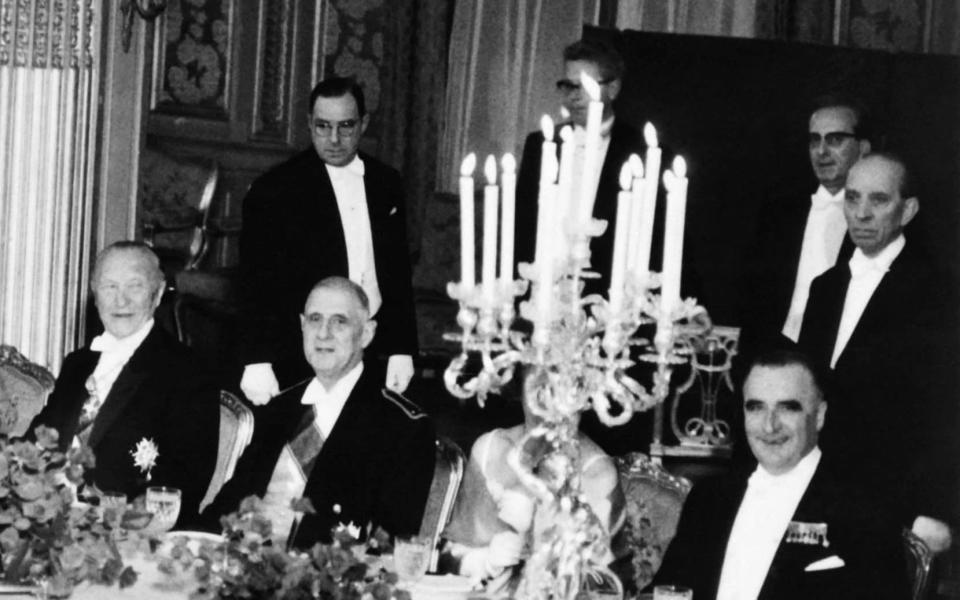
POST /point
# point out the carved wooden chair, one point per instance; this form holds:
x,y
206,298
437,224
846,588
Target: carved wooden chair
x,y
654,501
24,387
447,475
919,558
236,429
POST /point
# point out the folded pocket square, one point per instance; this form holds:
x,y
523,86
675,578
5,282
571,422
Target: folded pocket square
x,y
830,562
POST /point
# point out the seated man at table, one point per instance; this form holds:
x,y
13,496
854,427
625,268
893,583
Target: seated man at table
x,y
135,382
496,514
795,527
359,452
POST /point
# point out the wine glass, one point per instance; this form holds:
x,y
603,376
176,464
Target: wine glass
x,y
411,557
164,504
672,592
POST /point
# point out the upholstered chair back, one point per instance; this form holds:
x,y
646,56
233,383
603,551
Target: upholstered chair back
x,y
236,429
24,387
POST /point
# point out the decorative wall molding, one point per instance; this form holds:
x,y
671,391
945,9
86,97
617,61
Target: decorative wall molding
x,y
275,43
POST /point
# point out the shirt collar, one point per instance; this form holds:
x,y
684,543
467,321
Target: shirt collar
x,y
860,263
106,343
315,391
354,167
822,198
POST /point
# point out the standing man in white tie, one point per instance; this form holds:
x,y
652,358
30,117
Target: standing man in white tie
x,y
885,324
359,452
793,525
329,210
136,382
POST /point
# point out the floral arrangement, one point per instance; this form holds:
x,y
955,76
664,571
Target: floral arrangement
x,y
46,538
145,456
246,564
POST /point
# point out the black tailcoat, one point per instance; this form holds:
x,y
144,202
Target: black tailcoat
x,y
293,237
161,395
893,412
861,533
375,466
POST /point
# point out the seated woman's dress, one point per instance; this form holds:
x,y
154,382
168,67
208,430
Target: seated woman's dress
x,y
496,518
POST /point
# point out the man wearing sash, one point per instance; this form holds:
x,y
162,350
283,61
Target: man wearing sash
x,y
358,451
793,526
136,383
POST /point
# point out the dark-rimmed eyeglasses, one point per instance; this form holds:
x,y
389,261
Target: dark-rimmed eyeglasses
x,y
565,86
834,139
325,128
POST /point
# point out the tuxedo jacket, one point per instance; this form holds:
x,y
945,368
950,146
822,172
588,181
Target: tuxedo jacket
x,y
892,415
159,395
624,141
375,466
772,272
861,533
293,237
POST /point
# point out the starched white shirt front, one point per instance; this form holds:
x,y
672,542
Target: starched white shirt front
x,y
351,194
114,355
865,275
822,238
287,482
761,522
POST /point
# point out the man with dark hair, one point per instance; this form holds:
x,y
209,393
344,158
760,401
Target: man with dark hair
x,y
133,383
619,140
358,451
329,210
792,525
885,323
799,236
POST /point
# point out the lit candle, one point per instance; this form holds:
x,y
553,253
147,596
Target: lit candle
x,y
565,196
491,197
591,151
620,239
636,213
651,185
467,277
508,179
546,254
676,184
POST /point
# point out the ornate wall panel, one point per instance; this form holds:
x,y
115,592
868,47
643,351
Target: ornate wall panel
x,y
48,85
276,33
193,59
886,24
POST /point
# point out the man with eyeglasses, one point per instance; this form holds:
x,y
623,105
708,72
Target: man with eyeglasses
x,y
136,383
619,139
801,236
329,210
885,324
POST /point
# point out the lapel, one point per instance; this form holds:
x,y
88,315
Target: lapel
x,y
128,382
838,280
70,417
321,215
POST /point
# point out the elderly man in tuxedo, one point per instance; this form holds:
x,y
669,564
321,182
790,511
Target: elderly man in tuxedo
x,y
329,210
794,527
885,324
135,382
801,235
358,451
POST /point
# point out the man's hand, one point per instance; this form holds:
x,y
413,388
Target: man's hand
x,y
934,533
399,372
258,383
504,551
516,510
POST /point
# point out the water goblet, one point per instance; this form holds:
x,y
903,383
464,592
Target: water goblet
x,y
411,557
164,504
672,592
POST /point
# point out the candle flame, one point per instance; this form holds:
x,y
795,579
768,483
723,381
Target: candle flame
x,y
468,165
490,170
509,163
564,113
650,135
636,165
566,134
680,167
590,86
546,126
626,175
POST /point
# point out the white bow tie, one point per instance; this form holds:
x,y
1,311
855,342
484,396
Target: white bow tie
x,y
104,343
861,264
762,481
822,199
354,167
